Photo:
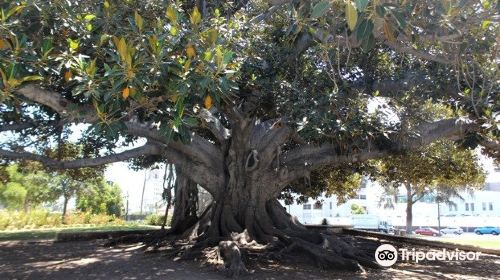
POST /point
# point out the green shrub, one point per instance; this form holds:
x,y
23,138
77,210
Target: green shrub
x,y
156,220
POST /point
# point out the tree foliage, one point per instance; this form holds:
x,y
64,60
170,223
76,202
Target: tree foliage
x,y
248,98
101,198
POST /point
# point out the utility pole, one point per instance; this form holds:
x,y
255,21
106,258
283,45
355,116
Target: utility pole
x,y
143,189
438,198
126,208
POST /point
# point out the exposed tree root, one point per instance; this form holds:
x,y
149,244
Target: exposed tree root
x,y
230,253
217,238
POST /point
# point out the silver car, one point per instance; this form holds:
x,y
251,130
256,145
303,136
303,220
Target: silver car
x,y
452,230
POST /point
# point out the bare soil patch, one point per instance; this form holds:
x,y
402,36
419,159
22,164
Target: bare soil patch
x,y
90,260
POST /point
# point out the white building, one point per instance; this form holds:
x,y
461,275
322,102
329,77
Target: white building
x,y
315,210
480,208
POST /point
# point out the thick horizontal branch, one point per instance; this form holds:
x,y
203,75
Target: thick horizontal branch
x,y
147,149
301,161
401,48
199,154
77,113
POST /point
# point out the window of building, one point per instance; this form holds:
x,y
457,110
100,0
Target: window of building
x,y
466,206
362,196
472,207
331,205
491,206
318,205
484,206
455,206
450,207
307,206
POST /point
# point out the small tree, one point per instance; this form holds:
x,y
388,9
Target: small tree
x,y
26,185
357,210
441,167
100,198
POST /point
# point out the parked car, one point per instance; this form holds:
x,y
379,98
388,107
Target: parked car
x,y
427,231
452,230
487,230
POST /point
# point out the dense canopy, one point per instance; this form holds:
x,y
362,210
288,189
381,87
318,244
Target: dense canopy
x,y
247,98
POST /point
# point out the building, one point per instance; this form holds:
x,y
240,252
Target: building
x,y
479,208
153,190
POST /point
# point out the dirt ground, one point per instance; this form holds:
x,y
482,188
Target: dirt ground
x,y
90,260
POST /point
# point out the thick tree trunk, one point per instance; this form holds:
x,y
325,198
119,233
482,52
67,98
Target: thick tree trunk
x,y
245,211
409,209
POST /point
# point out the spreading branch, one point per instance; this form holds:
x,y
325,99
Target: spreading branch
x,y
145,150
301,161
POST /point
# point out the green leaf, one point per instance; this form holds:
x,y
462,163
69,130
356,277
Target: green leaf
x,y
31,78
368,43
400,19
361,4
364,29
73,44
227,57
351,15
320,9
190,121
89,17
485,24
14,10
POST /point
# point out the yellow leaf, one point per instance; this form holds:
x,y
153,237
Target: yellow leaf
x,y
208,103
171,14
4,44
190,51
173,97
13,82
125,93
388,32
68,75
91,69
153,43
139,22
122,49
219,57
187,65
351,15
195,16
106,4
73,44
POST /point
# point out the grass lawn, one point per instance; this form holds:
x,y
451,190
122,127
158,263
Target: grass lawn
x,y
493,243
50,233
484,241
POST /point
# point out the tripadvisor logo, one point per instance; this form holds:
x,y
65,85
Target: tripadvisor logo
x,y
386,255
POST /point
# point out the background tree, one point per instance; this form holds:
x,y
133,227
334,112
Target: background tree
x,y
441,168
28,188
72,182
101,198
246,98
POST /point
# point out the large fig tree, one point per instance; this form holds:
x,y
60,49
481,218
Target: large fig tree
x,y
247,98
